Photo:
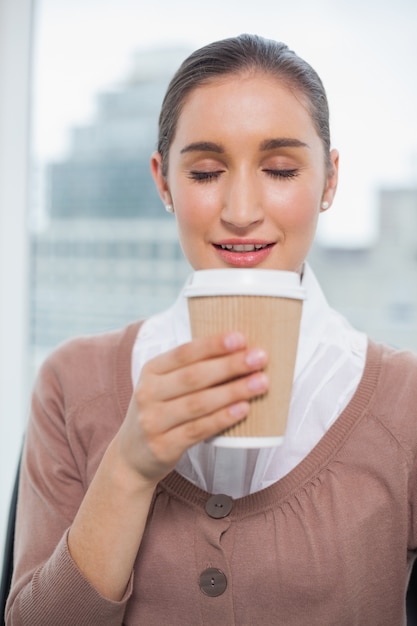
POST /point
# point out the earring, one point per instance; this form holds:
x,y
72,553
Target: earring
x,y
169,208
325,205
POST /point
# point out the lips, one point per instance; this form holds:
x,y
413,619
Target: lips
x,y
243,247
243,253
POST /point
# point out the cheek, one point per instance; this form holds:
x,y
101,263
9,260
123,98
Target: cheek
x,y
194,206
302,217
191,225
188,225
298,208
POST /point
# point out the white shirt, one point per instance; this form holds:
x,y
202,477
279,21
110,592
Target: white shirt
x,y
329,365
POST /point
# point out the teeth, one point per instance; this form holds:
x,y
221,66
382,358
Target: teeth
x,y
243,247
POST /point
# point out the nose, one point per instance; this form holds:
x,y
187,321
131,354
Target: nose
x,y
242,206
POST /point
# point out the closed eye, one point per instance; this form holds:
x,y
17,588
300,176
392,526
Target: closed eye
x,y
285,174
200,176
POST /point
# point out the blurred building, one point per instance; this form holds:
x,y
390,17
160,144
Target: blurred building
x,y
106,173
107,253
90,276
376,287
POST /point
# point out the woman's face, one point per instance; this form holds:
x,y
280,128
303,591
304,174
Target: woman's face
x,y
246,175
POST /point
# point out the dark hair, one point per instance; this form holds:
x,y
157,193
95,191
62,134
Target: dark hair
x,y
234,55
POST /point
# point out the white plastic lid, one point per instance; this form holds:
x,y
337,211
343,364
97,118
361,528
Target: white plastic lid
x,y
243,282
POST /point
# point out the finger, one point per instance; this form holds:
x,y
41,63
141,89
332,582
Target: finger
x,y
196,350
170,446
212,372
165,416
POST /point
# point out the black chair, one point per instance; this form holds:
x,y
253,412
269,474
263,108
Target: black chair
x,y
6,576
7,569
412,598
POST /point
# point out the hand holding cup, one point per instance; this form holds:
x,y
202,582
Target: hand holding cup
x,y
188,395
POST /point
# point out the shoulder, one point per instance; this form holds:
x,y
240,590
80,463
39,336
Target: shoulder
x,y
92,348
84,367
398,370
395,399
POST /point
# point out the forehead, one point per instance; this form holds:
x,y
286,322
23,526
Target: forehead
x,y
237,103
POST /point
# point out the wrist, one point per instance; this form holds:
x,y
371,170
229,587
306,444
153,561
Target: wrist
x,y
123,475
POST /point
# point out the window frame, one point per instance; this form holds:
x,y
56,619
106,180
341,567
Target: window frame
x,y
16,32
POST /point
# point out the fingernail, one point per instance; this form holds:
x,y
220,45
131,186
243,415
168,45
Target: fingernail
x,y
239,410
259,382
256,357
232,341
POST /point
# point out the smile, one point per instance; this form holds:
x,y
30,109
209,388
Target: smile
x,y
244,254
243,247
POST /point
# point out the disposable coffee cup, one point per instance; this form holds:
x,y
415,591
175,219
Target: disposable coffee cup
x,y
266,306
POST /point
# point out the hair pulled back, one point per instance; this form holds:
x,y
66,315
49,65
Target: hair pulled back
x,y
233,56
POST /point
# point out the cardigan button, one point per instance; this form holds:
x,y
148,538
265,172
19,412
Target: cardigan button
x,y
219,506
213,582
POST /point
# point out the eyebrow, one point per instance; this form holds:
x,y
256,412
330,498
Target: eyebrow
x,y
268,144
282,142
203,146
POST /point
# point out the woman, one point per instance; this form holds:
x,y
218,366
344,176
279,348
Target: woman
x,y
127,514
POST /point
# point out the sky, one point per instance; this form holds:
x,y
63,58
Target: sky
x,y
365,53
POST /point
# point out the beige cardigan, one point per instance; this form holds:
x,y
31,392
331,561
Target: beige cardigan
x,y
330,544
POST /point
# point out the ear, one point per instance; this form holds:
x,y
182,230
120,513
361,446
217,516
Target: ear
x,y
159,178
332,178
